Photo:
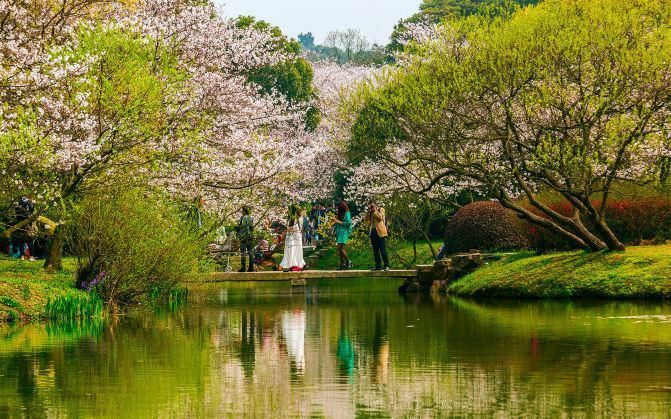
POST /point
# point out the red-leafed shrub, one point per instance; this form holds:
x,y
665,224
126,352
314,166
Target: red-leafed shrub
x,y
545,240
485,226
632,221
635,220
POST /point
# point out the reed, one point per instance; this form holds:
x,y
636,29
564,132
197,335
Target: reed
x,y
74,307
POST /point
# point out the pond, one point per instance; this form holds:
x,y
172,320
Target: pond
x,y
358,350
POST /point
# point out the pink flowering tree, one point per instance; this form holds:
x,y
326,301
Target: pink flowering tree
x,y
86,104
157,92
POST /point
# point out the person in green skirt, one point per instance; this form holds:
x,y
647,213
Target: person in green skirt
x,y
343,228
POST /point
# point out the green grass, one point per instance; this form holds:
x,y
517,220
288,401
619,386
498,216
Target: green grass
x,y
639,272
28,293
362,257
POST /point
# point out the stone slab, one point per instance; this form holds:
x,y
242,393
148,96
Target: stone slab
x,y
289,276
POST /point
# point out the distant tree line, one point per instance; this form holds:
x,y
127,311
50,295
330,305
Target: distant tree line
x,y
351,46
344,47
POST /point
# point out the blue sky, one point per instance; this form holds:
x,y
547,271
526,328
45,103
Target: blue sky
x,y
375,18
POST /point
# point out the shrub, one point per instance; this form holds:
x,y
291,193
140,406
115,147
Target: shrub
x,y
633,220
485,226
132,247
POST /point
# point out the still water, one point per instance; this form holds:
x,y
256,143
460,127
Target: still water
x,y
364,351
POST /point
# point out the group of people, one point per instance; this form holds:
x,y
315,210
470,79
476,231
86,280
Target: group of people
x,y
376,222
302,230
28,233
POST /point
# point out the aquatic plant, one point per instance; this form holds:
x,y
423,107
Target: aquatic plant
x,y
74,307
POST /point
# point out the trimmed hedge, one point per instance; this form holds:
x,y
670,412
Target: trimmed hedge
x,y
485,226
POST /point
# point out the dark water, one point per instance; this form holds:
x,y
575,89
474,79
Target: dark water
x,y
264,352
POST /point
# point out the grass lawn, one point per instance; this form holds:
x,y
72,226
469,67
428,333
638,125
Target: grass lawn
x,y
25,288
362,258
639,272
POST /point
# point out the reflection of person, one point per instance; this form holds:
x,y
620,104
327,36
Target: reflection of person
x,y
377,221
293,329
293,245
345,351
343,228
248,343
381,348
244,231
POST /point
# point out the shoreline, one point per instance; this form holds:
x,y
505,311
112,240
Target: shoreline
x,y
640,272
29,294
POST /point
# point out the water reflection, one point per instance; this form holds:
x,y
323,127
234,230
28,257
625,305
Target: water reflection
x,y
293,329
343,355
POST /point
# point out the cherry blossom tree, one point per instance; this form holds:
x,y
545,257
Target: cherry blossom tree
x,y
154,92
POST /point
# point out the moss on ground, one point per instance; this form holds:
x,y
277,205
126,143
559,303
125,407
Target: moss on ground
x,y
639,272
25,288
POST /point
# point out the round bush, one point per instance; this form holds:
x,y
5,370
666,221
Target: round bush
x,y
485,226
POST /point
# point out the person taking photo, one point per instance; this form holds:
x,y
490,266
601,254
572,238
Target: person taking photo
x,y
377,221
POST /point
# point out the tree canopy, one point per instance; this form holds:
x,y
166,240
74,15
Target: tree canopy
x,y
436,11
291,78
565,96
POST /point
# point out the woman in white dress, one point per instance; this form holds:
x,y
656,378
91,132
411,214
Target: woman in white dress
x,y
293,243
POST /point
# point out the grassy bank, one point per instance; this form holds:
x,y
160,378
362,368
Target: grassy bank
x,y
28,293
639,272
401,255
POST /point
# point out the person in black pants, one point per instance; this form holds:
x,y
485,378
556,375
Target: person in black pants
x,y
245,235
378,236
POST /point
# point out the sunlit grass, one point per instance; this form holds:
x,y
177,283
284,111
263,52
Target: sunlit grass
x,y
28,293
639,272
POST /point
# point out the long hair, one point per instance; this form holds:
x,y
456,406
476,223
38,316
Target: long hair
x,y
343,209
293,215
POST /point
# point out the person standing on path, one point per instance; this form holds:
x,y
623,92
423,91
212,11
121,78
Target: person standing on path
x,y
245,229
377,220
343,228
293,243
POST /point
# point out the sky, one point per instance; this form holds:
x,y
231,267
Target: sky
x,y
375,18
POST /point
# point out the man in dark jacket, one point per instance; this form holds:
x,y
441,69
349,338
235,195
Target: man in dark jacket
x,y
245,229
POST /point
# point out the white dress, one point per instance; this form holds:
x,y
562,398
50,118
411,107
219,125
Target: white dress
x,y
293,248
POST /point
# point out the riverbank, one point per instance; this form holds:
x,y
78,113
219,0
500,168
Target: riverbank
x,y
639,272
26,289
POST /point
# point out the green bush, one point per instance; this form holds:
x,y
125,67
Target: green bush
x,y
132,247
485,226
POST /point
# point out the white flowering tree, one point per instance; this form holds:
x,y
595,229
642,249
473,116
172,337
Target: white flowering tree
x,y
85,103
155,91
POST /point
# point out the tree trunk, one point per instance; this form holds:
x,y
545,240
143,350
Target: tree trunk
x,y
571,229
54,261
595,243
431,248
614,244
